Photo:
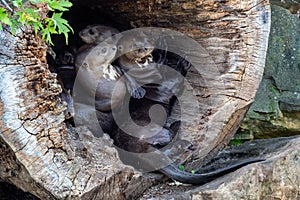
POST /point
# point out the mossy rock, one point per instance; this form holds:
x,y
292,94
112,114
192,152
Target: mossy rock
x,y
276,108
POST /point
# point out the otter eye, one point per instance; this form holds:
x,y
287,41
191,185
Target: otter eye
x,y
120,48
91,32
85,65
103,50
68,58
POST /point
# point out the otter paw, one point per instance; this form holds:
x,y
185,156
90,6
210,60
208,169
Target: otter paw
x,y
138,92
109,72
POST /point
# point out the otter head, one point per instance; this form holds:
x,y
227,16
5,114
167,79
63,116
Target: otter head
x,y
135,47
66,57
100,55
97,33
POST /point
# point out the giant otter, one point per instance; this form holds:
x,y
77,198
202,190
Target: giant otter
x,y
136,63
162,78
94,61
97,80
139,142
63,65
96,68
66,76
93,34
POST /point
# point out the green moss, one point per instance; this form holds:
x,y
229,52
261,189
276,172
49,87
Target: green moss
x,y
278,91
235,142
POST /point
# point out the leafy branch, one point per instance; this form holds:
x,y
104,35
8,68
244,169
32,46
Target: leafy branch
x,y
36,13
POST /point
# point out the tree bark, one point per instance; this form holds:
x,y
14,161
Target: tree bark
x,y
41,155
38,153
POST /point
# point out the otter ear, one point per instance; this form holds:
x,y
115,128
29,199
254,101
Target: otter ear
x,y
120,48
109,40
85,65
117,36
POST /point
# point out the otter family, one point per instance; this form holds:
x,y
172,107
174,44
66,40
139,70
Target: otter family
x,y
130,78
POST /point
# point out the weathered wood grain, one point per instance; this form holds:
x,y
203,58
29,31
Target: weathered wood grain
x,y
37,151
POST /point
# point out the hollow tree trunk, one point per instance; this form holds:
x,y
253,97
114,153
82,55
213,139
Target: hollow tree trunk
x,y
41,155
235,36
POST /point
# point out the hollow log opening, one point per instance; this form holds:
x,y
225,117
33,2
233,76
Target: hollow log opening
x,y
227,56
221,80
213,102
80,17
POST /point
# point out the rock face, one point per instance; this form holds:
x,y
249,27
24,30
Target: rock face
x,y
275,178
276,109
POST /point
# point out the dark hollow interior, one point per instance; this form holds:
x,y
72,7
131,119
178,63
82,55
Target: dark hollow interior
x,y
79,17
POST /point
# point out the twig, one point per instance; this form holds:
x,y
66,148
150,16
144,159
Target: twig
x,y
7,6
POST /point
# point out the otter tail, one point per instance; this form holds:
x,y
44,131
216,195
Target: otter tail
x,y
173,172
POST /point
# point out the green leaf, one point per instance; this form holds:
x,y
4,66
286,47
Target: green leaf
x,y
30,15
60,5
46,35
181,167
62,25
4,17
37,26
17,3
15,25
193,171
22,17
